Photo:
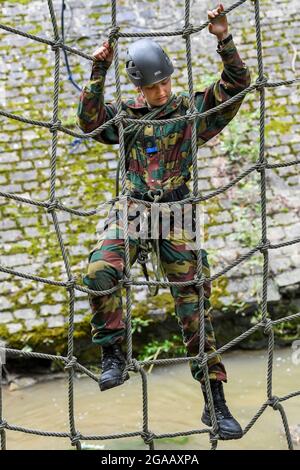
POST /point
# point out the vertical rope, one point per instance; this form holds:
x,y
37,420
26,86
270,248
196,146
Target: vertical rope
x,y
147,436
188,27
286,427
2,422
58,231
262,160
211,407
55,122
263,198
270,332
264,241
123,198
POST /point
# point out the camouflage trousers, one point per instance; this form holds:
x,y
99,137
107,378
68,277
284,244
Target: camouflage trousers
x,y
106,267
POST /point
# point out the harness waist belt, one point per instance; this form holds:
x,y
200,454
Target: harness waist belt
x,y
176,194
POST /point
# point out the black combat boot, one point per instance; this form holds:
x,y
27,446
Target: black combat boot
x,y
113,363
229,428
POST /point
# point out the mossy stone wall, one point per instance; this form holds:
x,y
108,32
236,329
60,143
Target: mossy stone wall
x,y
35,314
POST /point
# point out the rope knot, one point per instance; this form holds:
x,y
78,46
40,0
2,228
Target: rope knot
x,y
54,126
71,364
265,246
274,402
57,44
261,165
261,83
114,34
3,425
213,439
52,205
199,282
134,366
127,281
189,115
70,284
187,31
75,438
119,117
268,327
147,437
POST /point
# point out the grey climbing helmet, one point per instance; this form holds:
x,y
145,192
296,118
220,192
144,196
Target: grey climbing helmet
x,y
147,63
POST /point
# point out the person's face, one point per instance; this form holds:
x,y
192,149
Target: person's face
x,y
158,93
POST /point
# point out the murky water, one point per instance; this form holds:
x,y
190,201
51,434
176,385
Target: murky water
x,y
175,404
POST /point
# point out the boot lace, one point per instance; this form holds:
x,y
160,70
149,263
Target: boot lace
x,y
221,410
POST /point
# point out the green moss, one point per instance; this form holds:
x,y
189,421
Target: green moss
x,y
21,2
4,334
212,208
277,127
219,290
36,30
205,80
162,302
47,340
274,125
235,143
246,215
95,16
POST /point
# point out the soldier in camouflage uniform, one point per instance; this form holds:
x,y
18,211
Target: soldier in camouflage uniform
x,y
159,159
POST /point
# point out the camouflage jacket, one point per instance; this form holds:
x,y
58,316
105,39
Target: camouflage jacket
x,y
169,167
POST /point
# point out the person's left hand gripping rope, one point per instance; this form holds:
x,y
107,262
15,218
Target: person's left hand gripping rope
x,y
219,27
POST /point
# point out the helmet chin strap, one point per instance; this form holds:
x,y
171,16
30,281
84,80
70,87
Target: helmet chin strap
x,y
149,105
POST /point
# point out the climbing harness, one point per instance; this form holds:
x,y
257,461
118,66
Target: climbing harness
x,y
145,247
151,246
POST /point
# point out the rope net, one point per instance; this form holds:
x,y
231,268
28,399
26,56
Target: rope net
x,y
53,204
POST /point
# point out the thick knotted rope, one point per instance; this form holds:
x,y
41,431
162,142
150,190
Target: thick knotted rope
x,y
55,126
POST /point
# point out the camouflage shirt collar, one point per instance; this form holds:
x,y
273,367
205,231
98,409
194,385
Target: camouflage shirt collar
x,y
140,103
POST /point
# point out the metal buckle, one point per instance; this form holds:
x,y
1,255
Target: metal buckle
x,y
155,197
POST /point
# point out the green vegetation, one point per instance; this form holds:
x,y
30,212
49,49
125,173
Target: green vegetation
x,y
236,143
172,347
21,2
